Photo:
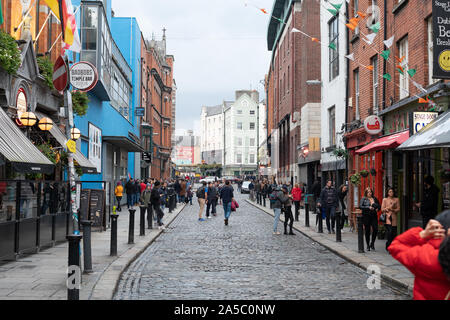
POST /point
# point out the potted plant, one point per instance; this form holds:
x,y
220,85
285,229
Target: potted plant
x,y
340,153
373,172
355,179
364,173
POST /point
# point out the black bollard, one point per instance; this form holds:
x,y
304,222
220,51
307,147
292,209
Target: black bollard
x,y
338,227
131,227
113,251
360,234
306,215
142,221
319,214
87,248
73,285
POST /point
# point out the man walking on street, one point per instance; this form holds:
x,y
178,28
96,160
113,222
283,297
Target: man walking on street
x,y
277,198
329,201
227,197
201,196
129,189
211,200
155,199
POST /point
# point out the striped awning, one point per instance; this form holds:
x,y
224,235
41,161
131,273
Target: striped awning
x,y
84,163
19,150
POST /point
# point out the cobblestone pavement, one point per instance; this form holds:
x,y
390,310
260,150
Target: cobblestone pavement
x,y
196,260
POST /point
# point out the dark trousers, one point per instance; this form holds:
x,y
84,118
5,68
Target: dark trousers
x,y
264,199
159,214
259,198
288,218
297,209
130,200
118,203
391,233
211,206
149,215
330,213
370,221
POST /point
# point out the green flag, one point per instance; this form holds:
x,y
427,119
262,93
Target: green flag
x,y
332,46
376,27
281,20
1,13
385,54
412,72
337,6
400,70
333,12
387,76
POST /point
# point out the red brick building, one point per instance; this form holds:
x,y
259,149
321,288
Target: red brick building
x,y
157,82
295,60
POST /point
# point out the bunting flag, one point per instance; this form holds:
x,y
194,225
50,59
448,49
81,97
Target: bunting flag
x,y
354,21
334,12
385,54
400,69
387,76
263,11
422,100
376,27
315,40
332,46
389,42
295,30
351,26
362,15
369,68
418,86
400,60
412,72
351,57
337,6
370,38
281,20
1,14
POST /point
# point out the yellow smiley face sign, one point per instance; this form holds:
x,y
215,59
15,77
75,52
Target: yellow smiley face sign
x,y
444,60
72,146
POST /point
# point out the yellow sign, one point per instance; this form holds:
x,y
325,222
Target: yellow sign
x,y
444,60
72,146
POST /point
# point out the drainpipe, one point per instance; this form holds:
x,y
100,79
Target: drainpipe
x,y
384,61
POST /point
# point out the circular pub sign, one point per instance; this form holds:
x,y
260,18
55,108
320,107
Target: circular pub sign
x,y
83,76
373,125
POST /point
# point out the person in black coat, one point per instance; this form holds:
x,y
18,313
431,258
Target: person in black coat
x,y
130,190
370,206
155,199
329,201
429,205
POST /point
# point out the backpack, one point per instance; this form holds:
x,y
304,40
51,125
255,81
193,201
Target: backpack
x,y
201,193
273,197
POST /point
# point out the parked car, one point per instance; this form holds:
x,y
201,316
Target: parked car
x,y
245,187
230,178
209,179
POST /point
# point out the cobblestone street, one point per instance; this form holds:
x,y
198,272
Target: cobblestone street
x,y
207,260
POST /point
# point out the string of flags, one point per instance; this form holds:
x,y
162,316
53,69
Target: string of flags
x,y
401,66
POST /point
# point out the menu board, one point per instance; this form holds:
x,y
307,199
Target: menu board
x,y
97,207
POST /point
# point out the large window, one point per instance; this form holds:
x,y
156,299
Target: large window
x,y
252,142
356,79
334,53
252,126
239,141
239,158
89,34
252,158
375,84
120,93
239,125
404,80
332,125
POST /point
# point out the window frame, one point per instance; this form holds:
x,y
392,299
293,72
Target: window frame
x,y
403,48
333,55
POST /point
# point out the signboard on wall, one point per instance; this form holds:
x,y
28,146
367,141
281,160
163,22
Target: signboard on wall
x,y
420,120
373,125
95,147
441,41
184,155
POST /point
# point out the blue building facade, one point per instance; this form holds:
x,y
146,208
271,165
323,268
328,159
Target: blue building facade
x,y
110,131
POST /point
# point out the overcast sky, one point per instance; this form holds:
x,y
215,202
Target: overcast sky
x,y
219,47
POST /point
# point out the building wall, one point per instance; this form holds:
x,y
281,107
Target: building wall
x,y
212,135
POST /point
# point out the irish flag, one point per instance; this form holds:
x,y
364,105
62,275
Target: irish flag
x,y
63,10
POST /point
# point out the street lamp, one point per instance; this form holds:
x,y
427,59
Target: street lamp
x,y
28,119
45,124
75,134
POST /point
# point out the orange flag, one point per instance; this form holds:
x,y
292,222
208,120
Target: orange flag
x,y
369,68
421,100
354,21
400,60
315,40
263,11
401,68
362,15
351,26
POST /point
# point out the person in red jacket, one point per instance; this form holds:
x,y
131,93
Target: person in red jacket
x,y
426,254
296,197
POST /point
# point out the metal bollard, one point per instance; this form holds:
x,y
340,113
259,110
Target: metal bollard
x,y
338,227
360,234
320,220
142,221
113,251
73,288
131,227
87,248
150,216
306,215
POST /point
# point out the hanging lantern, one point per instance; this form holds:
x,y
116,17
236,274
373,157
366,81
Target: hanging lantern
x,y
75,134
45,124
28,119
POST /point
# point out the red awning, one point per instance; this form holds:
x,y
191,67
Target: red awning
x,y
389,142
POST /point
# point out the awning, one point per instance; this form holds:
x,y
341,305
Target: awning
x,y
19,150
389,142
83,162
434,135
124,142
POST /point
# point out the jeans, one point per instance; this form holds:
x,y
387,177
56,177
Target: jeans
x,y
159,214
130,200
330,214
118,203
182,199
137,198
227,210
277,212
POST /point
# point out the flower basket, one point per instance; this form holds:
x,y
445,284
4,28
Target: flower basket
x,y
373,172
355,179
364,173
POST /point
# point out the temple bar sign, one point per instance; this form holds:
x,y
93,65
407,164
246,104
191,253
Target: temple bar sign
x,y
441,41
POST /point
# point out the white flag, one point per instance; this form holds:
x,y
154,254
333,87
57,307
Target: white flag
x,y
76,45
351,57
295,30
370,38
418,86
389,42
